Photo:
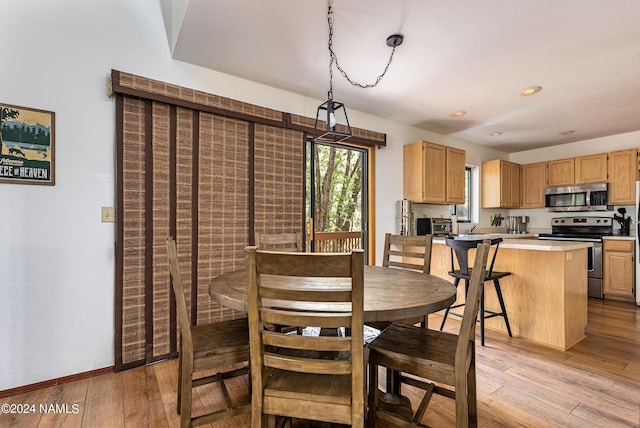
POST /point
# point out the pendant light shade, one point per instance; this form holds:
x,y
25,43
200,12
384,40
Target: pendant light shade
x,y
332,123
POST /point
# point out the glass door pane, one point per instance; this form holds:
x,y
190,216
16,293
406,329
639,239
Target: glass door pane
x,y
336,197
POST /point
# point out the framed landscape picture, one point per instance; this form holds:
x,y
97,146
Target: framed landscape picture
x,y
27,145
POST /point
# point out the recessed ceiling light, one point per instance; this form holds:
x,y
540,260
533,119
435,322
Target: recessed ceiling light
x,y
531,90
458,113
567,132
495,134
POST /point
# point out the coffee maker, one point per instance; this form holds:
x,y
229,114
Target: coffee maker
x,y
404,217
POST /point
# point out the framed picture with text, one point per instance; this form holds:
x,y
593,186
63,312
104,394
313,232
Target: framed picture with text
x,y
27,145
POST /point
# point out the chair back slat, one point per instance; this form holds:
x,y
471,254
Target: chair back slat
x,y
305,364
318,265
318,294
291,241
312,343
317,317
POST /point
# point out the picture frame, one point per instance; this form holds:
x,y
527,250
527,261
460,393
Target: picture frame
x,y
27,145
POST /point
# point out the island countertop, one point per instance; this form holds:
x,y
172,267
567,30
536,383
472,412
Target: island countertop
x,y
526,244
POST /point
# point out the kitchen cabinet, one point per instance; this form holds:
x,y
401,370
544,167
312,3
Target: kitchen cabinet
x,y
456,163
623,171
433,173
561,172
500,184
534,180
591,168
618,269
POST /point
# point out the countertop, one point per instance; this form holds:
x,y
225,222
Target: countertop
x,y
528,244
620,238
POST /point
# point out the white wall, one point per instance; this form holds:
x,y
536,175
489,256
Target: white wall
x,y
57,281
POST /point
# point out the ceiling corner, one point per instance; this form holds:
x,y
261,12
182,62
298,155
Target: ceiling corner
x,y
173,12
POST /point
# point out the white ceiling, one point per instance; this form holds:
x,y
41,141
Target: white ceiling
x,y
457,55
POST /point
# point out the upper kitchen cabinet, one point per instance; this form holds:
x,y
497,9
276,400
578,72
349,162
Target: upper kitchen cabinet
x,y
500,184
560,172
534,180
456,163
433,173
591,169
623,170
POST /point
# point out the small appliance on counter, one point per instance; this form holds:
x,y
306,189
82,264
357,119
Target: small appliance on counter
x,y
433,226
404,217
517,224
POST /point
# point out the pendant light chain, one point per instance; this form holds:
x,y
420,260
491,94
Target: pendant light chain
x,y
334,58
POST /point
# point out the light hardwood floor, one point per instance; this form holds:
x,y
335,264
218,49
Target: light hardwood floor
x,y
594,384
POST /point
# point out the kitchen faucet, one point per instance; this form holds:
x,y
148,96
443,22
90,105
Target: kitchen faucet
x,y
473,226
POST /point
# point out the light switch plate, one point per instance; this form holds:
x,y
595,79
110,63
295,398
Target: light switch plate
x,y
108,215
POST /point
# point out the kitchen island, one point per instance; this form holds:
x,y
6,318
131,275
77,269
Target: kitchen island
x,y
546,293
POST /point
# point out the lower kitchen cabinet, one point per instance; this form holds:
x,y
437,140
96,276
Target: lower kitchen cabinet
x,y
618,269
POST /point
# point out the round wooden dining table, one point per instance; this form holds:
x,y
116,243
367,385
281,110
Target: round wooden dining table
x,y
390,294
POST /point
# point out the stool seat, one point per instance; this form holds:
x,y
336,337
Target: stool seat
x,y
461,247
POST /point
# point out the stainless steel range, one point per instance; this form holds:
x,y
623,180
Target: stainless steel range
x,y
584,229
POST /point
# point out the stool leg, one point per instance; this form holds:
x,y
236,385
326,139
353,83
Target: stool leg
x,y
444,318
446,311
481,313
496,284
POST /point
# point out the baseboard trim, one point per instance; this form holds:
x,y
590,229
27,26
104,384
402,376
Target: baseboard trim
x,y
57,381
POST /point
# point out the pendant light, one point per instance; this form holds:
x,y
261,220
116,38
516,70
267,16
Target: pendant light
x,y
330,113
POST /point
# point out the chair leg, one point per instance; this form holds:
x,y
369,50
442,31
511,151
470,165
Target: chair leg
x,y
373,391
186,386
496,284
481,316
446,311
472,402
462,402
444,318
179,393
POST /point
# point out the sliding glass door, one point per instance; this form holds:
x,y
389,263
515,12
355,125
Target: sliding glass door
x,y
336,204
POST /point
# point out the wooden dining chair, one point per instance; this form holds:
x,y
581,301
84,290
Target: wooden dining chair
x,y
205,347
434,360
406,252
290,241
306,377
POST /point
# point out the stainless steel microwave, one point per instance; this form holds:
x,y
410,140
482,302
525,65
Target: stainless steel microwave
x,y
579,197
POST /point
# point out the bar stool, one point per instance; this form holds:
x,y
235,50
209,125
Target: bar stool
x,y
461,249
